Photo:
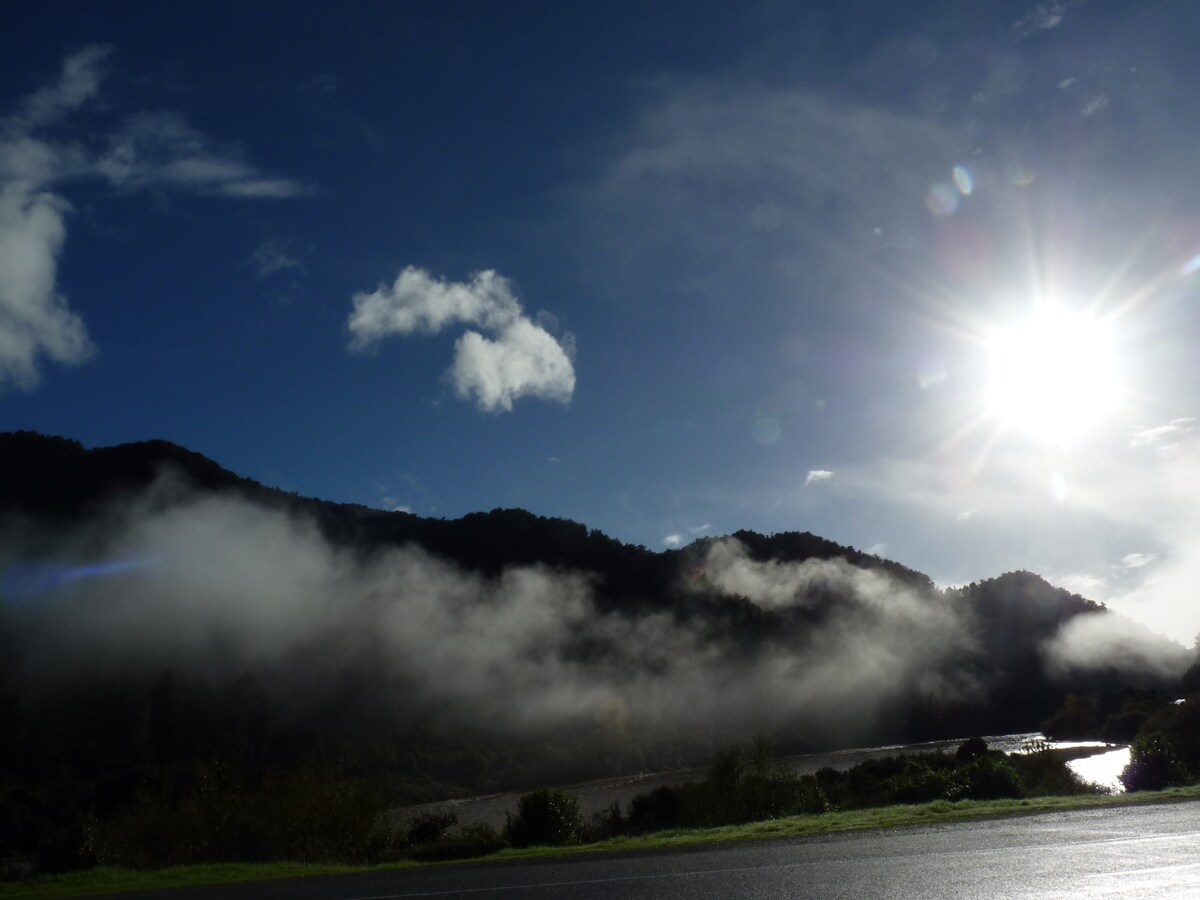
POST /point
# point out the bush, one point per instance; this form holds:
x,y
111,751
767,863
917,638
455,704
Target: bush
x,y
742,788
606,824
971,748
987,778
1153,765
657,810
547,816
469,842
1046,774
429,826
919,783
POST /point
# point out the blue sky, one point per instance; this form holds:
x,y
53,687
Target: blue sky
x,y
916,277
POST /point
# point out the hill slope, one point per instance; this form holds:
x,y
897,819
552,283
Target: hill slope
x,y
162,615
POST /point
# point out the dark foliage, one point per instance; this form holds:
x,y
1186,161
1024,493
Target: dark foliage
x,y
1153,765
546,817
304,815
970,749
429,827
657,810
470,842
1166,751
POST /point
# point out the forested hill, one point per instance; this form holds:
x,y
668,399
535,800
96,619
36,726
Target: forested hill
x,y
160,615
57,483
57,479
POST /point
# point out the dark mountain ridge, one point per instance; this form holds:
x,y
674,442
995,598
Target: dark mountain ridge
x,y
174,616
56,481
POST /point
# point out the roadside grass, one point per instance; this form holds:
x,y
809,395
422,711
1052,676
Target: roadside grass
x,y
101,881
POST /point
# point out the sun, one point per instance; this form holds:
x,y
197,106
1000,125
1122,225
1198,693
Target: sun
x,y
1053,375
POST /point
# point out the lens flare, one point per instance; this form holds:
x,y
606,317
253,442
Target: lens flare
x,y
931,376
963,180
766,430
942,200
24,583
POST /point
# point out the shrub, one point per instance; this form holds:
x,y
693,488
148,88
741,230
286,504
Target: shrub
x,y
919,783
657,810
429,826
547,816
1153,765
750,788
988,778
1046,774
468,842
606,824
971,748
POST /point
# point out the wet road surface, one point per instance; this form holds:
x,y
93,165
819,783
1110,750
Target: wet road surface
x,y
1148,851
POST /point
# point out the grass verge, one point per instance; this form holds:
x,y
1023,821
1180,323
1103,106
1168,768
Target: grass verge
x,y
101,881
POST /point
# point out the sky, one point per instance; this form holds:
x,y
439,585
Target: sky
x,y
920,278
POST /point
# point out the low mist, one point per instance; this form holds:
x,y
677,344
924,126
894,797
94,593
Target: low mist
x,y
216,586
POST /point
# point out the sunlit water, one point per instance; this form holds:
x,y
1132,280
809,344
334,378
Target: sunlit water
x,y
1103,769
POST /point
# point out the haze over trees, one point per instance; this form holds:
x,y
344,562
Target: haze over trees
x,y
168,627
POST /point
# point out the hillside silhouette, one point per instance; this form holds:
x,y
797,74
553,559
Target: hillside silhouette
x,y
163,616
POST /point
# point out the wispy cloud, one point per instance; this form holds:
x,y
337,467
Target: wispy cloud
x,y
1153,435
1137,560
277,255
160,149
1044,17
79,81
149,150
815,476
521,358
704,155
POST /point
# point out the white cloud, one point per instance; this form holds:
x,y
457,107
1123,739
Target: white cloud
x,y
1137,560
521,359
150,150
418,302
673,540
35,320
817,475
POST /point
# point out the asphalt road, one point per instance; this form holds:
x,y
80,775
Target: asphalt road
x,y
1135,852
